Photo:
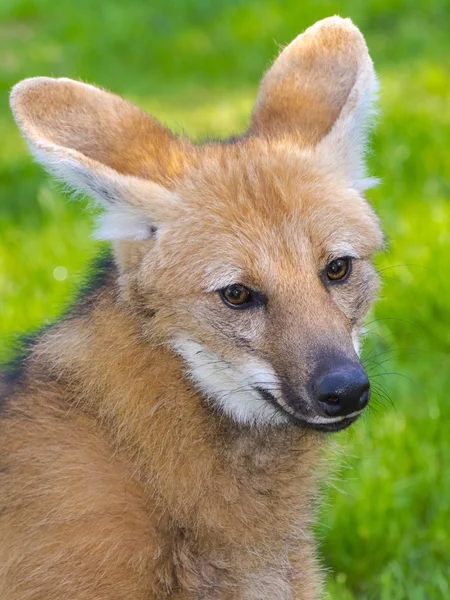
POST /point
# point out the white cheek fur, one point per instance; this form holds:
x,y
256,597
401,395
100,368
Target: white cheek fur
x,y
231,387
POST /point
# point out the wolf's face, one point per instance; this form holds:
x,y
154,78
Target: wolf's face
x,y
275,281
250,259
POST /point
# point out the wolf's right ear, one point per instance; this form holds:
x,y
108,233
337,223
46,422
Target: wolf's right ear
x,y
320,92
104,146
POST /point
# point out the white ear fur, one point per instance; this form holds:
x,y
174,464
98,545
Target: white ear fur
x,y
346,143
128,201
121,224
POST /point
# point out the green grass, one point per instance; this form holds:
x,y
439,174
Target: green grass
x,y
385,519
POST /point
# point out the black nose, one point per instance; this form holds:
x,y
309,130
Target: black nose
x,y
342,391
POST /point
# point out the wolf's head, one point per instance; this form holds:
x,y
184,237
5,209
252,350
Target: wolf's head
x,y
250,258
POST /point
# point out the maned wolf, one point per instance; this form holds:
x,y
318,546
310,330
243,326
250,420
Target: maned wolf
x,y
162,440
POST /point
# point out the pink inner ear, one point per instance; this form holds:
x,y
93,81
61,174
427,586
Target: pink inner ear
x,y
304,92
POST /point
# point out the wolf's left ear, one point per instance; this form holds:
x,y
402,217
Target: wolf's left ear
x,y
105,147
320,91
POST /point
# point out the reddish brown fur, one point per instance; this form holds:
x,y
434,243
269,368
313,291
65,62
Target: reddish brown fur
x,y
335,51
117,479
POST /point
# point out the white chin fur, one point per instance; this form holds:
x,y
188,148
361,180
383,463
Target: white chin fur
x,y
231,387
327,420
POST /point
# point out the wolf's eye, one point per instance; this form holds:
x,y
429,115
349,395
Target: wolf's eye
x,y
236,295
338,269
240,296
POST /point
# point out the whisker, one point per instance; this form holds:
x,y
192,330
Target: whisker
x,y
394,373
389,347
381,393
378,319
398,266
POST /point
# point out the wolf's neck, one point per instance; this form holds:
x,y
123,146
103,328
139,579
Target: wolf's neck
x,y
206,469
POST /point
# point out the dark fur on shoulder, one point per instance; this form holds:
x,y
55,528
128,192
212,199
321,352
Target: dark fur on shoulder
x,y
101,270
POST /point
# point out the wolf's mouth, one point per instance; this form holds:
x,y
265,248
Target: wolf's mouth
x,y
317,422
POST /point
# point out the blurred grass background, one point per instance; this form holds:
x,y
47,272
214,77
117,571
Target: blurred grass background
x,y
195,64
